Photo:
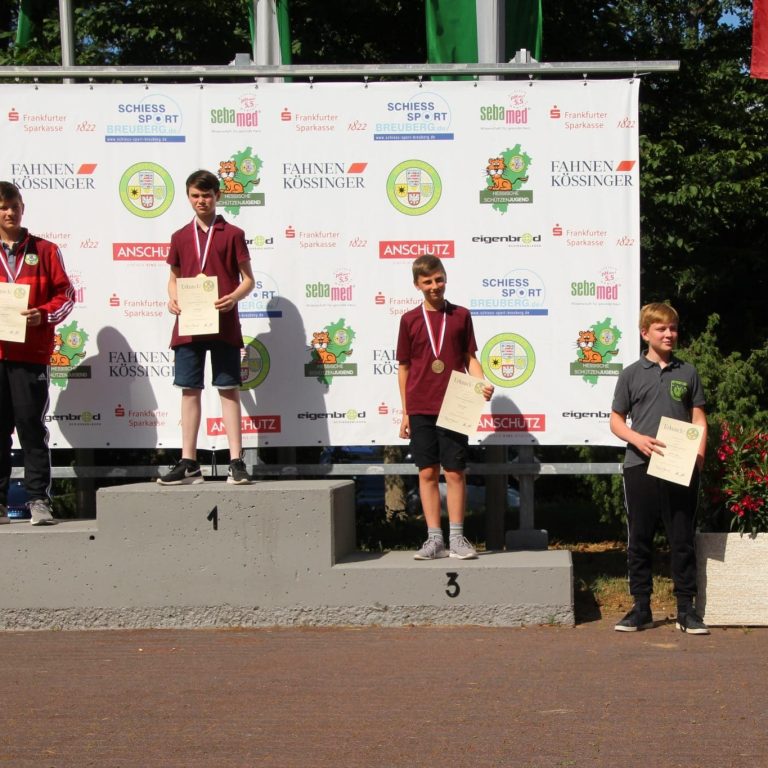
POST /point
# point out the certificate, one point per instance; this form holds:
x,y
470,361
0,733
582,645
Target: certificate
x,y
14,298
682,440
463,404
196,297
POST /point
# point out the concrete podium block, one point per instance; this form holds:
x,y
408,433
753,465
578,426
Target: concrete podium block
x,y
273,553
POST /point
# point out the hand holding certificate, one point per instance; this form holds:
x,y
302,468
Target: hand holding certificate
x,y
677,460
13,301
463,404
196,297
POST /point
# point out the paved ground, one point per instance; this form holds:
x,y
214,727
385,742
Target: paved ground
x,y
538,696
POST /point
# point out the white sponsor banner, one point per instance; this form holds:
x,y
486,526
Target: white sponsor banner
x,y
528,191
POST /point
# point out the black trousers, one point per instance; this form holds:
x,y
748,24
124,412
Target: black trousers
x,y
23,406
647,500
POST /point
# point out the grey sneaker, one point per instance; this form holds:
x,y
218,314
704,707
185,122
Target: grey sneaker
x,y
461,548
433,549
184,472
4,514
40,510
237,473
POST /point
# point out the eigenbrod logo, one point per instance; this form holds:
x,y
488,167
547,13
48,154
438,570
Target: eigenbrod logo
x,y
519,292
153,118
511,111
55,177
424,116
324,175
412,249
591,173
522,240
146,190
414,187
241,115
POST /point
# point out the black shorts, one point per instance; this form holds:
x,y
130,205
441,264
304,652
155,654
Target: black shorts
x,y
431,444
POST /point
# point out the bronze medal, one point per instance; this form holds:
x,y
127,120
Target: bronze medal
x,y
438,366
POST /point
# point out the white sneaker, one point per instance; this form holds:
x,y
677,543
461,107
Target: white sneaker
x,y
433,549
40,510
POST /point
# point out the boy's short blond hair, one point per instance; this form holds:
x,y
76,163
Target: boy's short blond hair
x,y
657,312
426,265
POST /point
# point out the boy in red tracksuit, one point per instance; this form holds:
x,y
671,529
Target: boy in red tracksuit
x,y
24,366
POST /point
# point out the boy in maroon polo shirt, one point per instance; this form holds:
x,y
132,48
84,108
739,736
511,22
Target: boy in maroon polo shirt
x,y
24,366
435,339
209,245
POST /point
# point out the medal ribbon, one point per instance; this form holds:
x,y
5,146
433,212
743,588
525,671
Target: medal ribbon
x,y
435,349
20,256
201,261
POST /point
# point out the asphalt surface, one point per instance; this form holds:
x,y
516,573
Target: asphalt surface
x,y
414,696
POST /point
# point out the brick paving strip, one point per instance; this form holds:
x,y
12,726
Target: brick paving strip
x,y
415,696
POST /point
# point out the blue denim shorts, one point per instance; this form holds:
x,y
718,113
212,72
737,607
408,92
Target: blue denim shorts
x,y
190,365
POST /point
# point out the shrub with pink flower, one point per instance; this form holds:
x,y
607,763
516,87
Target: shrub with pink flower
x,y
742,489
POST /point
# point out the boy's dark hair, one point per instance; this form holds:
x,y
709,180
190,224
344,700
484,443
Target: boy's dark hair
x,y
657,312
9,192
204,180
426,265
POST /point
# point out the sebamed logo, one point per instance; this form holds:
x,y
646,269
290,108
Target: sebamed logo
x,y
506,174
82,419
78,283
508,360
520,292
141,418
322,293
54,177
384,362
412,249
509,112
523,240
329,349
602,289
254,363
580,236
424,116
313,238
242,115
264,300
68,352
350,416
239,176
568,174
133,307
146,252
512,422
414,187
146,190
324,175
140,364
153,118
39,123
249,425
578,120
595,348
396,305
310,122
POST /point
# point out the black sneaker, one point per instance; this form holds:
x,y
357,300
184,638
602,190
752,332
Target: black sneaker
x,y
185,472
637,619
689,621
237,473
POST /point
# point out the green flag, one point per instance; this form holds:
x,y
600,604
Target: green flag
x,y
31,15
270,31
458,30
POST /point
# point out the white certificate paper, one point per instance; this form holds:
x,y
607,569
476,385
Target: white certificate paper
x,y
682,440
14,299
196,297
463,404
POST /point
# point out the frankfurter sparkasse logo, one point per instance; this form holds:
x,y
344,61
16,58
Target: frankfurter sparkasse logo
x,y
254,363
414,187
506,174
146,190
508,360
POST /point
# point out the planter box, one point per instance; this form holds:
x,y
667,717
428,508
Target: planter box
x,y
732,579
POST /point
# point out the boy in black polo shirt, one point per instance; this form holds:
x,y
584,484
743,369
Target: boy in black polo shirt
x,y
659,384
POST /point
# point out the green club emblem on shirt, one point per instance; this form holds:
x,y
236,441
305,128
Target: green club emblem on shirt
x,y
678,389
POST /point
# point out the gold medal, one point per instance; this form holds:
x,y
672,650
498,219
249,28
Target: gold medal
x,y
438,366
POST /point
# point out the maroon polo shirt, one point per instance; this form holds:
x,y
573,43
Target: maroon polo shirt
x,y
424,390
226,252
